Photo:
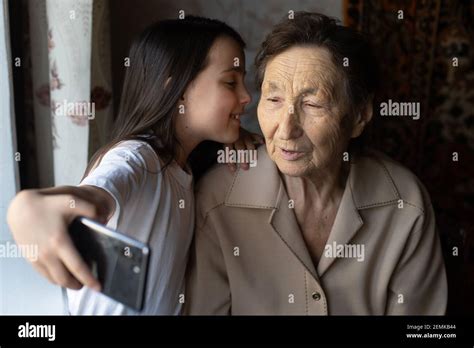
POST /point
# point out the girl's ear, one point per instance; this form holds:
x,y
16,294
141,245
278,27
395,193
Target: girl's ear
x,y
363,118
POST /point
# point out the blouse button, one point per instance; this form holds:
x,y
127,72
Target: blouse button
x,y
316,296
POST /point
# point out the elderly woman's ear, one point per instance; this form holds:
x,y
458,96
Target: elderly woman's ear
x,y
362,118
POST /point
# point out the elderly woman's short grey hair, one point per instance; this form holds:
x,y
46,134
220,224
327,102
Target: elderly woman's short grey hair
x,y
360,72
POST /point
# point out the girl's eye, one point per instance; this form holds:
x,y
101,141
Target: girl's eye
x,y
231,83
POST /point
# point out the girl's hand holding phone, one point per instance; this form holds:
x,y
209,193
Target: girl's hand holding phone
x,y
41,217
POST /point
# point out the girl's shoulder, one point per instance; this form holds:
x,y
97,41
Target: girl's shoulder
x,y
136,152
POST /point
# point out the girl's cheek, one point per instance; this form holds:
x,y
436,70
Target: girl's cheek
x,y
230,96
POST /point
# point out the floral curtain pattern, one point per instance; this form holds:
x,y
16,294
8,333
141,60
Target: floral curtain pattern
x,y
70,32
70,70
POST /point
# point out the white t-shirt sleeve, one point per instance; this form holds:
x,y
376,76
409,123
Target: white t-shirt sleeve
x,y
120,173
147,209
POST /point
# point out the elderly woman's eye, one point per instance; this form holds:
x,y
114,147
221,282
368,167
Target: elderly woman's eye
x,y
231,83
315,106
273,100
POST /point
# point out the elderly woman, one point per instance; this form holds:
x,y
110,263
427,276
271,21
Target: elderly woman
x,y
315,227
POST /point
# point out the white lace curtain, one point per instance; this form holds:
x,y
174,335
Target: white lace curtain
x,y
70,50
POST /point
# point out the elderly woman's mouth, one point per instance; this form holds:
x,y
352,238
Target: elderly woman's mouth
x,y
290,155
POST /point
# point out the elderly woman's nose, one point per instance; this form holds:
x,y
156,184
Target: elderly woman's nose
x,y
289,126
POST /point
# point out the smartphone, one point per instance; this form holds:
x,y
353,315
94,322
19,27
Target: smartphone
x,y
119,262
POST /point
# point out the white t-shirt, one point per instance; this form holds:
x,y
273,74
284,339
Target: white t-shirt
x,y
149,209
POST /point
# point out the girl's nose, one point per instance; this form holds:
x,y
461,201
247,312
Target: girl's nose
x,y
245,97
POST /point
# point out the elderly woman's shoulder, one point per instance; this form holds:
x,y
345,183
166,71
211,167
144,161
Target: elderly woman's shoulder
x,y
212,187
406,185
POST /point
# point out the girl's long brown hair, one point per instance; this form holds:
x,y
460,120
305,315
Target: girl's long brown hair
x,y
164,60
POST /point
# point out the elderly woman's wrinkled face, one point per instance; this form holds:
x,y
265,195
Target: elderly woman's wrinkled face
x,y
301,111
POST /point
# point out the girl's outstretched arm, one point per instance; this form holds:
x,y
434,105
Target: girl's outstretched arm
x,y
41,217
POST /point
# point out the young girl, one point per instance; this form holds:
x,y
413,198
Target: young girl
x,y
185,84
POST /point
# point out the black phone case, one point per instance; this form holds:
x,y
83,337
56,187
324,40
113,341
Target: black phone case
x,y
119,262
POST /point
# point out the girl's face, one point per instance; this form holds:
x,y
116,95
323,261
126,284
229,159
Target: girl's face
x,y
216,98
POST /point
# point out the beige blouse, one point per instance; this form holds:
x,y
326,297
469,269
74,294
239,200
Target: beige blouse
x,y
383,254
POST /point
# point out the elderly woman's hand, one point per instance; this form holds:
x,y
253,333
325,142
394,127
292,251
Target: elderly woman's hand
x,y
246,142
